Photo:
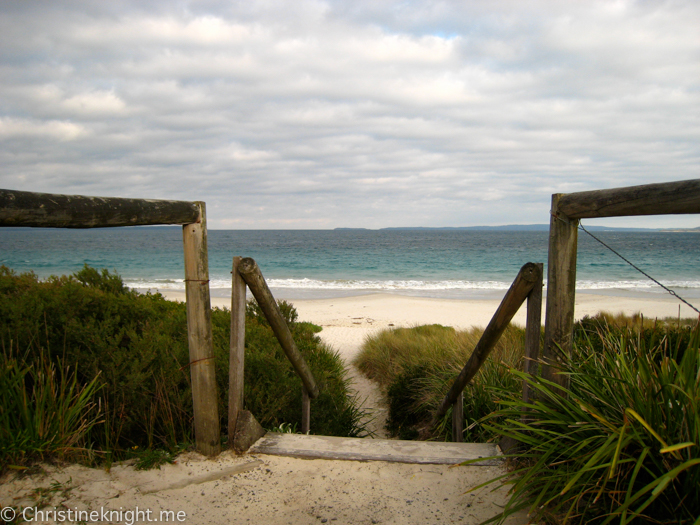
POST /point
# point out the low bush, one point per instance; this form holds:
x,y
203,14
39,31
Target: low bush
x,y
416,367
128,354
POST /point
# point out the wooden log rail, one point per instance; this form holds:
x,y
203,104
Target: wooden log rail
x,y
526,286
47,210
669,198
246,272
24,208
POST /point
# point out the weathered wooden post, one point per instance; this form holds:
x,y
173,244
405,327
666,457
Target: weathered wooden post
x,y
561,292
533,330
251,274
236,349
458,419
49,210
199,335
531,272
305,411
682,197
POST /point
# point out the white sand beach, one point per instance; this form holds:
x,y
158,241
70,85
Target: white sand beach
x,y
270,489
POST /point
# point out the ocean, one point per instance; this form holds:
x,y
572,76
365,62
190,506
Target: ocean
x,y
306,264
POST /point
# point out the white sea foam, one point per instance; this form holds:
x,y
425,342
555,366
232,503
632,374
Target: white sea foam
x,y
408,285
635,285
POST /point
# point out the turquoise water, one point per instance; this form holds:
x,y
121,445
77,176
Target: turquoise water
x,y
328,263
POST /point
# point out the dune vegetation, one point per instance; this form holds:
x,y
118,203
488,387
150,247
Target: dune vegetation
x,y
416,366
93,371
621,445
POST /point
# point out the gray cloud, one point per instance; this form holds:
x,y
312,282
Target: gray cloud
x,y
317,114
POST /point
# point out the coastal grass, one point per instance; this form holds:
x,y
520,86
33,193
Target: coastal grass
x,y
622,444
45,411
114,364
416,367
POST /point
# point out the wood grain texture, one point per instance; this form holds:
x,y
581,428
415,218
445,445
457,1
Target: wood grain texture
x,y
511,303
199,334
236,349
362,449
533,330
253,277
305,412
669,198
24,208
561,291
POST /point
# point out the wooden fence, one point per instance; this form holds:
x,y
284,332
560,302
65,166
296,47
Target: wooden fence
x,y
670,198
20,208
246,272
23,208
526,286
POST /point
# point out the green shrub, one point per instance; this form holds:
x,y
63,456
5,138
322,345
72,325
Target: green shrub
x,y
136,345
134,348
387,354
417,366
622,445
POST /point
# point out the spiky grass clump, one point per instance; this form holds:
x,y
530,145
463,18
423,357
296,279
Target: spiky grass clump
x,y
622,445
44,410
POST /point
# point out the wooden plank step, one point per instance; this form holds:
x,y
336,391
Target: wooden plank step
x,y
362,449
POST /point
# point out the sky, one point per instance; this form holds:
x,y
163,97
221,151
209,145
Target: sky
x,y
311,114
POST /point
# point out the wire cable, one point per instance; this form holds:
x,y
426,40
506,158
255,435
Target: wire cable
x,y
639,269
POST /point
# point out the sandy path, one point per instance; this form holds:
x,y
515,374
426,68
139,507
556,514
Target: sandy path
x,y
347,341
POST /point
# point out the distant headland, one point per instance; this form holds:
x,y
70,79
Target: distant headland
x,y
525,227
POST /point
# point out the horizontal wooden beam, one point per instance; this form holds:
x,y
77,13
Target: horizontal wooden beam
x,y
668,198
46,210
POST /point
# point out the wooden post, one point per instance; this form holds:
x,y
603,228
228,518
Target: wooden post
x,y
458,419
561,292
199,335
236,350
252,276
533,330
513,300
305,411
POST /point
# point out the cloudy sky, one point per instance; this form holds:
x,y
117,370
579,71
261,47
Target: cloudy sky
x,y
355,113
